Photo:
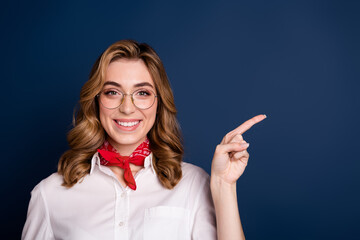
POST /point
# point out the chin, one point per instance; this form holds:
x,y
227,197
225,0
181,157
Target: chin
x,y
127,140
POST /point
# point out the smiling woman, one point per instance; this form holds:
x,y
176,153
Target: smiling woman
x,y
123,176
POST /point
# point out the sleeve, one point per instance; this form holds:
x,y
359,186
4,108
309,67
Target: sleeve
x,y
204,226
37,225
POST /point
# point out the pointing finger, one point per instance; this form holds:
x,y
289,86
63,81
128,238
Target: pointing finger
x,y
243,127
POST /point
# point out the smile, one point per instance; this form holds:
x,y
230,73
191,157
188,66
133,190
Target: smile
x,y
128,124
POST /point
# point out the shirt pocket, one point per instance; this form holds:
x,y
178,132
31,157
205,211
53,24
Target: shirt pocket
x,y
165,222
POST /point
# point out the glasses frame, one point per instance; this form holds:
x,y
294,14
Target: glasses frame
x,y
123,97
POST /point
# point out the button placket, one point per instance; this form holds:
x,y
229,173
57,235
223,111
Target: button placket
x,y
122,212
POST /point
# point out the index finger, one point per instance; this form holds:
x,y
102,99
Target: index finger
x,y
247,125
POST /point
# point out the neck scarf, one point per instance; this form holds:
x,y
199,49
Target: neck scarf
x,y
110,157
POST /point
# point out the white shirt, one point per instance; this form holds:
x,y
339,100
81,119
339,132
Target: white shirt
x,y
99,207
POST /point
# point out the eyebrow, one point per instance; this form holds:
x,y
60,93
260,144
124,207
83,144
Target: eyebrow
x,y
142,84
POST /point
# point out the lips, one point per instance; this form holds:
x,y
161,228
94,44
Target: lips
x,y
127,124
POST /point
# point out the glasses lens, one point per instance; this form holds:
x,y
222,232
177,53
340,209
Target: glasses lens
x,y
110,98
143,98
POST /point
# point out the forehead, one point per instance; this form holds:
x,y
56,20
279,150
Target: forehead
x,y
128,72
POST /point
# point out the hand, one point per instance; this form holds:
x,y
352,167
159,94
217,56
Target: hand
x,y
230,157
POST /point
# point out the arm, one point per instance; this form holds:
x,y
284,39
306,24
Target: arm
x,y
226,210
229,162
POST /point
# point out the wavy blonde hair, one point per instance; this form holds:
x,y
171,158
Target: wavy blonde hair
x,y
88,134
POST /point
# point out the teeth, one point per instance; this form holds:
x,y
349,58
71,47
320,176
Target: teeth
x,y
128,124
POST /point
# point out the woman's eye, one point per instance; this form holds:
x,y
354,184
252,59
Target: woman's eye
x,y
111,93
143,93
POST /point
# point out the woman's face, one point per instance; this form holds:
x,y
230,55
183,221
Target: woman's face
x,y
127,125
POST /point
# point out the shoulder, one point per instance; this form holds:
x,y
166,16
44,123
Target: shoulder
x,y
194,175
54,180
50,183
191,169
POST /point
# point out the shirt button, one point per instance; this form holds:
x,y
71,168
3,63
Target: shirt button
x,y
123,195
121,224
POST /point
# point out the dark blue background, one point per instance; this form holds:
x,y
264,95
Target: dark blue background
x,y
296,61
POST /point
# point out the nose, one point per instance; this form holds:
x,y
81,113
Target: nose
x,y
127,105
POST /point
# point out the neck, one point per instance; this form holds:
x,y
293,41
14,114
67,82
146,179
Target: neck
x,y
124,149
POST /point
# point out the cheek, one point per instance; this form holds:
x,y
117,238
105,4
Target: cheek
x,y
152,115
104,116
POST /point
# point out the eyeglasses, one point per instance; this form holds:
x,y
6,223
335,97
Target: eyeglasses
x,y
113,98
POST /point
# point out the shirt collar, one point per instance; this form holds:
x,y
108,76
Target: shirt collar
x,y
148,162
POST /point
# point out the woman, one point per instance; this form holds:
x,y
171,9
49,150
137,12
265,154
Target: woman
x,y
123,177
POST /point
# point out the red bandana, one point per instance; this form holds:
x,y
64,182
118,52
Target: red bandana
x,y
110,157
